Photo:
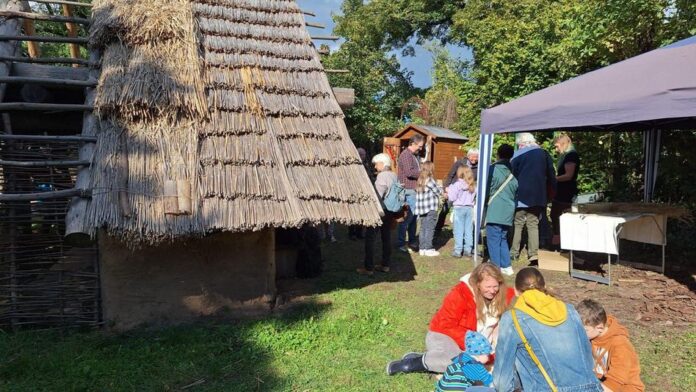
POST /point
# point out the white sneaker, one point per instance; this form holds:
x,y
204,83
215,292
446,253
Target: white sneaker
x,y
507,271
422,252
431,253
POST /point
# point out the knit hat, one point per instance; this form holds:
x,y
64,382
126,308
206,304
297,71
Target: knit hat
x,y
477,344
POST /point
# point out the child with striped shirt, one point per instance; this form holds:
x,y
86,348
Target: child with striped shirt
x,y
467,368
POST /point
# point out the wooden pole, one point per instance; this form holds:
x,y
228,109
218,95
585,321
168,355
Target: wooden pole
x,y
43,107
72,32
46,60
48,81
44,17
64,194
43,38
326,37
42,138
75,3
47,163
32,46
77,229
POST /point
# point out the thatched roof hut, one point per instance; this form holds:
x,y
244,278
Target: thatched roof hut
x,y
217,115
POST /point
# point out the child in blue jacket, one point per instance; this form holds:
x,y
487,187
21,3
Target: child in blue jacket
x,y
467,368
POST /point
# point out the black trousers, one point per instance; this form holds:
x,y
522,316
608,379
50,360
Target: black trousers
x,y
370,236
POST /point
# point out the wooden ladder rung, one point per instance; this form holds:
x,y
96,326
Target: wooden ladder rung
x,y
48,18
48,81
47,163
43,107
75,3
50,138
63,194
45,38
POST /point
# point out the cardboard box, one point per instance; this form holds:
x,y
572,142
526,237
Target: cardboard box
x,y
554,261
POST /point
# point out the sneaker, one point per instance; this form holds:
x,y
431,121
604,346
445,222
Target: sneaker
x,y
431,253
507,271
333,239
363,271
381,268
422,252
457,255
404,249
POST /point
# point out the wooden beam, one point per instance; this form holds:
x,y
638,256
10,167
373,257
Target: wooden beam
x,y
75,3
326,37
48,18
78,229
48,71
316,25
48,81
32,46
44,38
64,194
47,138
43,107
309,13
47,60
47,163
72,32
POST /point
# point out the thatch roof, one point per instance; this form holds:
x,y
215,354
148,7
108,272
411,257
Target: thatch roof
x,y
228,96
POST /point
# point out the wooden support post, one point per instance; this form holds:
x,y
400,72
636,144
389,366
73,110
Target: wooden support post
x,y
32,46
315,25
77,229
72,32
47,163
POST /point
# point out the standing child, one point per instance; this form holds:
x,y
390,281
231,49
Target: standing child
x,y
467,368
427,200
462,194
615,360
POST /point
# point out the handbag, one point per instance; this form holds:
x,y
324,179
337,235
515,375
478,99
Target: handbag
x,y
531,352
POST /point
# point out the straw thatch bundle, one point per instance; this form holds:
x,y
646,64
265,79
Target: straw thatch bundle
x,y
271,148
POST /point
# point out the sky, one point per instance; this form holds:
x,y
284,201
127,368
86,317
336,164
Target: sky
x,y
420,64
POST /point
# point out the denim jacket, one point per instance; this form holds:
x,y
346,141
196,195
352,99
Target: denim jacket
x,y
563,350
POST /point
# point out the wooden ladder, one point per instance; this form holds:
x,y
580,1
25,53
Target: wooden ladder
x,y
18,26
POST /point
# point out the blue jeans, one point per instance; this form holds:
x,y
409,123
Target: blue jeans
x,y
463,229
498,249
427,230
409,224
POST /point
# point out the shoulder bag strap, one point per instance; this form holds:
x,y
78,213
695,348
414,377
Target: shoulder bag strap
x,y
531,352
500,189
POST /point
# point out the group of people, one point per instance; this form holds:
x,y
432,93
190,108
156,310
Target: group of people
x,y
520,184
488,337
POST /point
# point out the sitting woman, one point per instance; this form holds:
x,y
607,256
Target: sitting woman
x,y
474,304
543,345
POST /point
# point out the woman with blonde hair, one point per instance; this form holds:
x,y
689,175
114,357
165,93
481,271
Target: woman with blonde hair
x,y
567,182
427,201
474,304
543,345
462,194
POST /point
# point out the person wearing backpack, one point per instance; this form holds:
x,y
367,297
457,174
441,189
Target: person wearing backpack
x,y
386,182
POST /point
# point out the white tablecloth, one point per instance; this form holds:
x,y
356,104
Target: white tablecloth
x,y
601,232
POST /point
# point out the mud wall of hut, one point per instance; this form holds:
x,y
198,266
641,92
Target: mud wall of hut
x,y
222,274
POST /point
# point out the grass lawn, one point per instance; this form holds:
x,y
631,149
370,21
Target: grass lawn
x,y
339,337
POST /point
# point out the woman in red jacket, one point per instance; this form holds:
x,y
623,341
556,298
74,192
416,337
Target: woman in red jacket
x,y
474,304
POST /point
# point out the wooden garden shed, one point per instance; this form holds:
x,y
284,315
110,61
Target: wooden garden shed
x,y
442,147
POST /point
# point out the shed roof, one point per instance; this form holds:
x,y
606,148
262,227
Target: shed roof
x,y
435,132
269,148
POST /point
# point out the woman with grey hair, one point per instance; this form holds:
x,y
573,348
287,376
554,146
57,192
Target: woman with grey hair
x,y
385,179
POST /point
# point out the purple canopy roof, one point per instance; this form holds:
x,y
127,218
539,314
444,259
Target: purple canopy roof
x,y
653,90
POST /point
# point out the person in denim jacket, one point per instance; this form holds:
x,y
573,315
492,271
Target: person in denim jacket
x,y
556,336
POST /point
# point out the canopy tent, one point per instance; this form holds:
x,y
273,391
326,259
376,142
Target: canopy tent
x,y
655,90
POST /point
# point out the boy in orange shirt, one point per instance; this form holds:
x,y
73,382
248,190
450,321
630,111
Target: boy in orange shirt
x,y
616,361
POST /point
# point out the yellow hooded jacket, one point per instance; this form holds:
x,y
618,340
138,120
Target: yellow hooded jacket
x,y
542,307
